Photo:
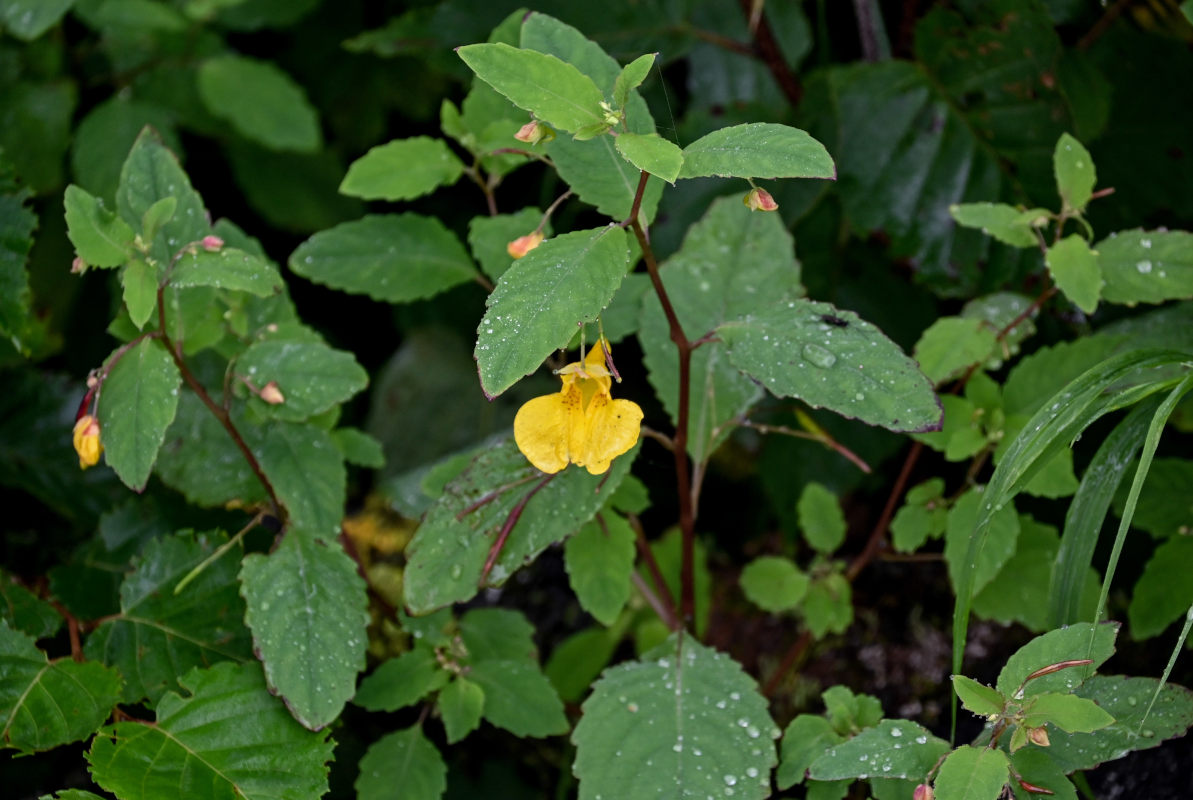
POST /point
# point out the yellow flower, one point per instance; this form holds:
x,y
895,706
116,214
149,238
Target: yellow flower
x,y
581,424
87,443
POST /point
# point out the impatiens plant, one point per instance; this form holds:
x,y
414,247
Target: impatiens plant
x,y
316,561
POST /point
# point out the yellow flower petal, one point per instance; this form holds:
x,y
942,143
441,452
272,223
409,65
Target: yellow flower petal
x,y
612,429
541,431
86,441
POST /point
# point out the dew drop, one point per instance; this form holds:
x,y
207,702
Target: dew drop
x,y
1144,267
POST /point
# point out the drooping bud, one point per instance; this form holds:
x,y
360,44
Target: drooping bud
x,y
86,441
524,244
759,200
1038,736
534,132
78,266
212,244
923,792
271,394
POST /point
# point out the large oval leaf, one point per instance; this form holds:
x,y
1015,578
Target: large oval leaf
x,y
757,150
136,404
833,359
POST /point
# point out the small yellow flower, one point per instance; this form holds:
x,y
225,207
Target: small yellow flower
x,y
581,424
524,244
87,443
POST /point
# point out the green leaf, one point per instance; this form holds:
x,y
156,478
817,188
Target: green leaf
x,y
998,547
915,524
539,301
519,698
977,697
402,170
404,761
600,176
307,611
489,236
1146,266
228,268
17,223
757,150
401,681
71,794
1162,594
137,405
820,518
306,471
262,102
1165,504
1031,570
1074,267
229,735
952,344
774,584
1079,641
552,90
29,19
668,554
25,611
460,703
140,291
893,749
160,635
685,718
1087,512
1075,173
311,376
853,369
157,215
104,137
359,448
729,261
1126,700
805,740
447,554
972,773
651,153
497,634
1005,223
599,561
850,713
150,173
200,459
101,238
631,77
49,703
35,118
1067,712
828,606
576,662
392,258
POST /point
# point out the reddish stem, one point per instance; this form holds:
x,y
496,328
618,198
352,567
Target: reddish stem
x,y
656,575
510,521
768,50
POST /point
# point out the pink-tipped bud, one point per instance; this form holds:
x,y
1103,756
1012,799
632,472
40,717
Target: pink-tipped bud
x,y
524,244
534,132
272,394
923,792
212,244
1038,736
760,200
78,266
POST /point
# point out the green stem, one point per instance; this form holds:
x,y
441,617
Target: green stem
x,y
219,551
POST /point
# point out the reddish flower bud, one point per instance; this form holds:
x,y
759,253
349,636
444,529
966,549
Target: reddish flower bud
x,y
760,200
272,394
524,244
534,132
212,244
78,266
1038,736
923,792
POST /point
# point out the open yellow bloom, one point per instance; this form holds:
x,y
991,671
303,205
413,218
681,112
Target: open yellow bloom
x,y
581,424
87,443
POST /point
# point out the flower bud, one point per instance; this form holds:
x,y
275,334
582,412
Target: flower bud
x,y
271,394
212,244
86,441
759,200
78,266
534,132
1038,736
923,792
524,244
